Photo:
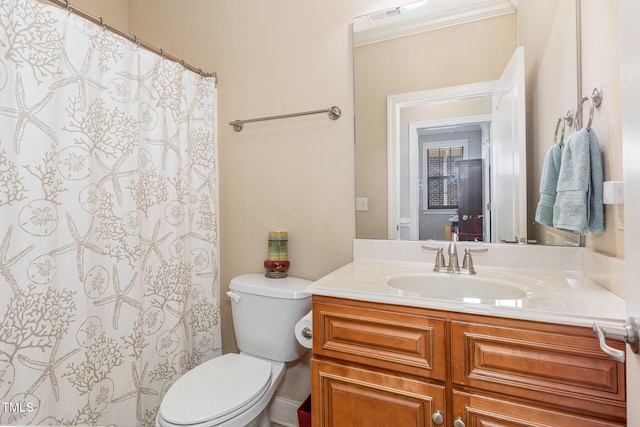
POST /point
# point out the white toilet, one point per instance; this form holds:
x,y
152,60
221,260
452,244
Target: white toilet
x,y
237,389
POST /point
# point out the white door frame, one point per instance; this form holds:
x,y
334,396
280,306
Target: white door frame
x,y
395,104
414,166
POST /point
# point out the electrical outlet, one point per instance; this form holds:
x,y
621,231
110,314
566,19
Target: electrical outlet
x,y
613,193
362,204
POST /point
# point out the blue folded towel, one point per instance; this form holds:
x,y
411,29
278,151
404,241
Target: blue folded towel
x,y
578,206
548,185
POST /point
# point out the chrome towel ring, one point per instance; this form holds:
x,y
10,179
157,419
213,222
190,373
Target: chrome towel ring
x,y
595,101
566,120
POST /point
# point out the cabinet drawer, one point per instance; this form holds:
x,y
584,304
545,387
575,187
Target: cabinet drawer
x,y
400,339
561,366
354,396
481,411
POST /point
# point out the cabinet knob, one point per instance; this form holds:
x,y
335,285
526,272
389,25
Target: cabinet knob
x,y
458,422
437,418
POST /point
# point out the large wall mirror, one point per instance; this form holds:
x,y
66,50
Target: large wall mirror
x,y
456,105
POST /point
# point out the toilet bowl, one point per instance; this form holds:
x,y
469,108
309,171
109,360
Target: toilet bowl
x,y
237,389
231,390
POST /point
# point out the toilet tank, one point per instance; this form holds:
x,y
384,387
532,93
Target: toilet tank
x,y
265,312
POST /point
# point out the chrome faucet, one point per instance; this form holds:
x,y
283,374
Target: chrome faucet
x,y
453,267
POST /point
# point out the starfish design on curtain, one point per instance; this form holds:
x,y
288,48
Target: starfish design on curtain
x,y
183,318
79,77
194,235
113,174
120,296
26,115
140,79
154,245
139,390
167,142
47,368
5,263
209,180
80,243
188,116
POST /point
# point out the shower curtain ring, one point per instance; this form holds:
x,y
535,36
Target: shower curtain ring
x,y
67,5
102,23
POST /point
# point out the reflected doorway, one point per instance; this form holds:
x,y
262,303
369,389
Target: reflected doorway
x,y
452,179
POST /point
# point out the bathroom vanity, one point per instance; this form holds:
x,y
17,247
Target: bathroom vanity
x,y
385,353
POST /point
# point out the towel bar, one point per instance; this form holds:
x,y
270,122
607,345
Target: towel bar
x,y
334,114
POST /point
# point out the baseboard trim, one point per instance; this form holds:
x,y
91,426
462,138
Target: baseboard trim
x,y
285,411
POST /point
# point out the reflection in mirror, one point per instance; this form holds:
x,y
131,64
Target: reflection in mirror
x,y
424,77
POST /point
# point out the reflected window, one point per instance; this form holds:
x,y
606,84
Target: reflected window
x,y
442,176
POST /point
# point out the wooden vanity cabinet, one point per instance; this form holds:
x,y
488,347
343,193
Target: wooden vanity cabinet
x,y
380,364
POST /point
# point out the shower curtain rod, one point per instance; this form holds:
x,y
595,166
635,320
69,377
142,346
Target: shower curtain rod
x,y
66,4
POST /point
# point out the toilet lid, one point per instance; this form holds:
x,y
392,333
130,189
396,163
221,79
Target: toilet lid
x,y
216,388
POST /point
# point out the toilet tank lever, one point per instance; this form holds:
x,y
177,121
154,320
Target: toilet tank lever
x,y
235,297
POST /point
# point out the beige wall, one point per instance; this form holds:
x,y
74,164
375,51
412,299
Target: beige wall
x,y
457,55
600,67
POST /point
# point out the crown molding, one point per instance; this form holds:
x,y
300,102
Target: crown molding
x,y
400,24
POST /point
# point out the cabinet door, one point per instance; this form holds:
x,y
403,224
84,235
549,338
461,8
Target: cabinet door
x,y
350,396
476,410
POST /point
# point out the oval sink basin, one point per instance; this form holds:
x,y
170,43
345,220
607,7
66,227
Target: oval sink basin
x,y
472,289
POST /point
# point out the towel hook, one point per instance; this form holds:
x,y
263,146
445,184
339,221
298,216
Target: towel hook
x,y
595,100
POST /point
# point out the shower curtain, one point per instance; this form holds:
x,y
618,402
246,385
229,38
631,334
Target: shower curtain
x,y
109,287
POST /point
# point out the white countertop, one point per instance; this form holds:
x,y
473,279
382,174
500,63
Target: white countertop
x,y
551,296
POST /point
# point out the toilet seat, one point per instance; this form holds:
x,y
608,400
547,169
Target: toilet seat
x,y
215,391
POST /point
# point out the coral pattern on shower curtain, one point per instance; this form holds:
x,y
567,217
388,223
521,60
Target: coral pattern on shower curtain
x,y
109,287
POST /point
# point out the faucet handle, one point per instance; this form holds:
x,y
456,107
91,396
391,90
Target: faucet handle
x,y
476,250
439,263
467,261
